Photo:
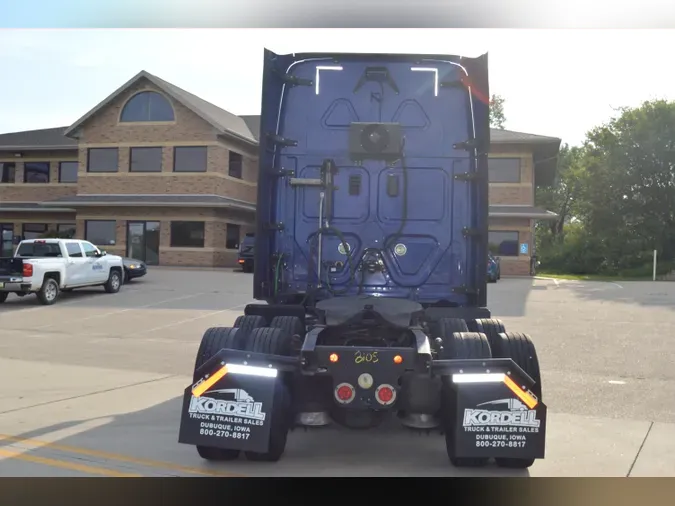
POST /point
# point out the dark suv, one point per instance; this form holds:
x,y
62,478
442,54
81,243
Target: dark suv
x,y
246,249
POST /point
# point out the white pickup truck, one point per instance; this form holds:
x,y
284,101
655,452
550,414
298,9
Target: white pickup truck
x,y
47,267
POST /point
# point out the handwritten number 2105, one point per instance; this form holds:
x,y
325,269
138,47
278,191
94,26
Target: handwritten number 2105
x,y
365,357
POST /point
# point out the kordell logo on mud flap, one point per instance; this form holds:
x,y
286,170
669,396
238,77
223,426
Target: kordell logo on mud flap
x,y
242,404
515,415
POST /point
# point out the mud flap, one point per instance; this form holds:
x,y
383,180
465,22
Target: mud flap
x,y
493,421
229,407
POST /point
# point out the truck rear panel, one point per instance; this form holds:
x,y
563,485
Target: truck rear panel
x,y
430,250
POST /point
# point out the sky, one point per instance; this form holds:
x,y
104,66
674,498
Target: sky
x,y
559,83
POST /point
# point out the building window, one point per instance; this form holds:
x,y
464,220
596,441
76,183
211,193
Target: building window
x,y
187,234
147,106
233,235
504,170
7,172
66,230
503,243
236,168
36,172
145,160
101,232
68,172
33,230
102,160
189,159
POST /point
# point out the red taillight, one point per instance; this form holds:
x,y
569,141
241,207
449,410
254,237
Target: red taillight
x,y
333,357
344,393
385,394
27,270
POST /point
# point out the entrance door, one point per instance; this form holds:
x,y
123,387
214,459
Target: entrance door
x,y
6,236
143,241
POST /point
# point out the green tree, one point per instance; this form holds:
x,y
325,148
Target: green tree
x,y
620,188
563,198
497,116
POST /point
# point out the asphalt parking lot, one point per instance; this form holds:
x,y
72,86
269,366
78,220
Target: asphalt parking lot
x,y
92,385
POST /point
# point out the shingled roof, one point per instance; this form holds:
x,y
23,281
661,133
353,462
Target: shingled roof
x,y
44,139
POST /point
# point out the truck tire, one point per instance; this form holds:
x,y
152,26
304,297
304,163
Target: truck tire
x,y
521,350
292,325
491,327
114,281
214,340
274,341
3,296
49,292
448,326
459,345
247,324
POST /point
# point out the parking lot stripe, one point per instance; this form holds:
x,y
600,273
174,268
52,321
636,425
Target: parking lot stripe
x,y
73,466
121,311
174,324
115,456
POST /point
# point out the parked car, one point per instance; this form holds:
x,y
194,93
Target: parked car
x,y
494,271
134,269
246,250
47,267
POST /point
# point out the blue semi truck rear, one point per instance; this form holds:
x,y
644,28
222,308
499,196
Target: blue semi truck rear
x,y
370,255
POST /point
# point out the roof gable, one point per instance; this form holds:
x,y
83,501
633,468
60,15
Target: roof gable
x,y
223,121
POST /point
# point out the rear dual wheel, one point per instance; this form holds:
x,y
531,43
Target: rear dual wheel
x,y
459,345
250,335
519,348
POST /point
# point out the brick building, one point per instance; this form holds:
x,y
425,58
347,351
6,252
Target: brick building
x,y
157,173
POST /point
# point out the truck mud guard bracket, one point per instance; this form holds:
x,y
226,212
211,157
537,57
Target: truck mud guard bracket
x,y
231,404
496,413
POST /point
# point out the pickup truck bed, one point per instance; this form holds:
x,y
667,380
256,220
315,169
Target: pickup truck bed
x,y
47,267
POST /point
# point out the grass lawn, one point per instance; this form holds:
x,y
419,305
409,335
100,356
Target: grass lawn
x,y
592,277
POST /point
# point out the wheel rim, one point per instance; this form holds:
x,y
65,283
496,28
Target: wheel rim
x,y
50,290
115,281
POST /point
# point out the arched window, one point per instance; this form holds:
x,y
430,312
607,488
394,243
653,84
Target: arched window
x,y
147,106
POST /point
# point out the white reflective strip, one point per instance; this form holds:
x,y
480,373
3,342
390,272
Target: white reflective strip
x,y
251,370
427,69
478,378
319,69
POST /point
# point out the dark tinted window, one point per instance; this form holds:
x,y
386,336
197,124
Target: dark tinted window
x,y
101,233
187,234
7,172
236,165
33,230
504,170
68,172
74,250
503,243
233,235
147,106
189,159
66,230
36,172
40,249
102,160
145,160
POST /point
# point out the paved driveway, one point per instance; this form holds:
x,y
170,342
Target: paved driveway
x,y
92,385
